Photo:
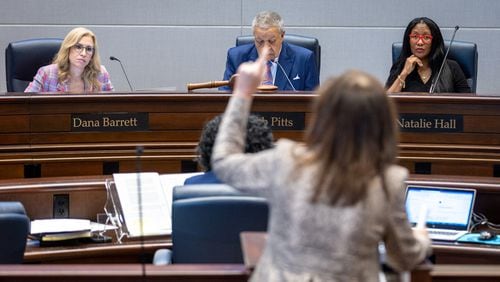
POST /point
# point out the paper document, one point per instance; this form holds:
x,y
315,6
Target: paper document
x,y
150,208
59,225
156,201
169,181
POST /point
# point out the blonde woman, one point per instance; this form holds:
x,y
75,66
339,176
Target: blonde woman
x,y
76,67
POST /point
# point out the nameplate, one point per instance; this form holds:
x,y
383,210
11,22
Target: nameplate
x,y
110,122
283,120
430,123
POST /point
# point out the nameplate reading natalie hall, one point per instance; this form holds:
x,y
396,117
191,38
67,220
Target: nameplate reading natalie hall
x,y
283,120
430,123
110,122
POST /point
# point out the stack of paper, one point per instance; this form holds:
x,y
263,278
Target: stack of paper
x,y
49,230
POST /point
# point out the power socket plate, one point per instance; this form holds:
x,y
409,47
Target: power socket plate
x,y
61,206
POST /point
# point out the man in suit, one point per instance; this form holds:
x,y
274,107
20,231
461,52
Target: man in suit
x,y
291,67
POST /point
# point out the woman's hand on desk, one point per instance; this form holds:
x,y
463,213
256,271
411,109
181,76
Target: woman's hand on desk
x,y
422,235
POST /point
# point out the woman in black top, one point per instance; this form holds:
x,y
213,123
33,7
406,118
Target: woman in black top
x,y
420,59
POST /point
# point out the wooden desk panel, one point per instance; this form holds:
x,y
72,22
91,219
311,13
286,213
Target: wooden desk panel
x,y
124,272
458,253
87,195
35,129
465,273
130,251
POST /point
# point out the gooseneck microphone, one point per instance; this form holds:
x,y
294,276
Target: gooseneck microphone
x,y
113,58
284,72
139,150
436,79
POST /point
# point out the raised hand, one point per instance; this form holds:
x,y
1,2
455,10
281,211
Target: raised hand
x,y
250,76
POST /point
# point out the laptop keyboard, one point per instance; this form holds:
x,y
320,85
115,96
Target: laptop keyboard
x,y
443,232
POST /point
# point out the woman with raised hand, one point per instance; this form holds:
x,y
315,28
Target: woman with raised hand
x,y
332,199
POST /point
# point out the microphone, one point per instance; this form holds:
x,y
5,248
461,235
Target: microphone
x,y
113,58
283,70
436,79
139,150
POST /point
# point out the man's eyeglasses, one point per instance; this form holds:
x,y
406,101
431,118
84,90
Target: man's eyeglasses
x,y
425,37
79,48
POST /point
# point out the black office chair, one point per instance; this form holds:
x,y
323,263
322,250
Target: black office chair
x,y
207,221
24,58
464,53
310,43
14,229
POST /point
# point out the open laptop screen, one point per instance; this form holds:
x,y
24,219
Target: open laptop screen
x,y
447,208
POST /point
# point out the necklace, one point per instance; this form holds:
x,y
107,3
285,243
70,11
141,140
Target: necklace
x,y
424,76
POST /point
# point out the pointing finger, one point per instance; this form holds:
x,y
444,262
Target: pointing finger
x,y
263,56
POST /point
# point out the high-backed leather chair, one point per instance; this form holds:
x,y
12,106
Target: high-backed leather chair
x,y
310,43
464,53
23,59
207,221
14,229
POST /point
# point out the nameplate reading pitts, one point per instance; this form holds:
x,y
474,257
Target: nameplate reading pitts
x,y
283,120
430,123
110,122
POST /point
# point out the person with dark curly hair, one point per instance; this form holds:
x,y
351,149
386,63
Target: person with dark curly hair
x,y
259,137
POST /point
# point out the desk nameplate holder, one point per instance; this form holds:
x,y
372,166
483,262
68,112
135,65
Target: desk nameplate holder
x,y
114,212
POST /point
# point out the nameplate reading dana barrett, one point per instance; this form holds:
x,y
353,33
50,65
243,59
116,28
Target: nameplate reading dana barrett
x,y
110,122
431,123
283,120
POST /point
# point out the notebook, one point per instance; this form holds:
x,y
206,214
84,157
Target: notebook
x,y
449,210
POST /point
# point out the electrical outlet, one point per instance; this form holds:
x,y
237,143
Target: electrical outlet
x,y
61,206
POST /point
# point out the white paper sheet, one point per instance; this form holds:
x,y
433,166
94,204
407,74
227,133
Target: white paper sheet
x,y
156,201
59,225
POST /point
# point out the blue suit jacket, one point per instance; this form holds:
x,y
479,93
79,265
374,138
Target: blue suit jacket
x,y
298,62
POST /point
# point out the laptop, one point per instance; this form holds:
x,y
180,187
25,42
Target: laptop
x,y
449,210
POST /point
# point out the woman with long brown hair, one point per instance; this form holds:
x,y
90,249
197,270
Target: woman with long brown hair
x,y
336,197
